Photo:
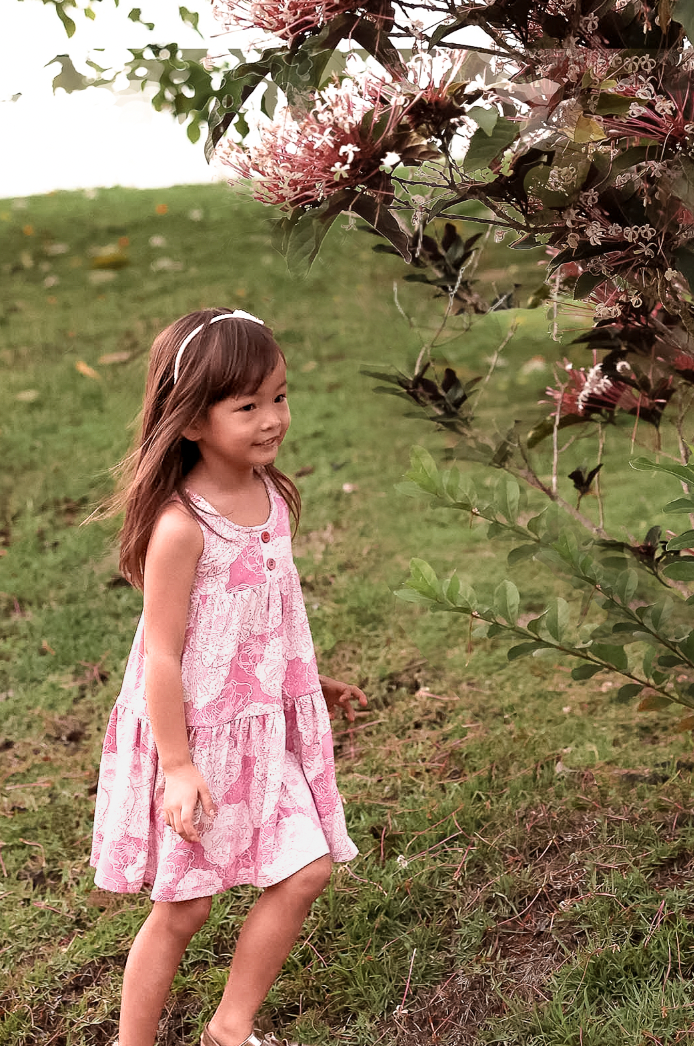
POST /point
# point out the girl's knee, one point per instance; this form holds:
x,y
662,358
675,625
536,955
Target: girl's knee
x,y
184,918
311,880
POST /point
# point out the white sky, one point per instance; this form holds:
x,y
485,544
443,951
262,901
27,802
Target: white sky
x,y
97,137
94,137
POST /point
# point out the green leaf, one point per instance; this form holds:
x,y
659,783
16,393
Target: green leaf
x,y
68,23
517,555
680,505
495,529
671,661
423,579
628,691
556,618
586,671
507,601
586,283
191,17
508,498
409,488
683,472
526,650
610,104
681,570
661,612
566,546
409,595
683,540
612,655
683,259
424,470
653,701
485,148
484,118
380,218
305,241
626,585
545,524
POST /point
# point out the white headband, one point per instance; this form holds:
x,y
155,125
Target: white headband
x,y
237,314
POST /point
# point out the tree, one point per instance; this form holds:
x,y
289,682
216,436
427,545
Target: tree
x,y
572,128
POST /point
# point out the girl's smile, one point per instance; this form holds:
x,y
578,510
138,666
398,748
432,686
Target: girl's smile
x,y
243,432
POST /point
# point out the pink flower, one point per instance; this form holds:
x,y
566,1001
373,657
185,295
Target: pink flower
x,y
283,18
300,161
593,392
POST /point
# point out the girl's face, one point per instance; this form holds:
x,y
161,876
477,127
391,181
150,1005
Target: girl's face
x,y
245,432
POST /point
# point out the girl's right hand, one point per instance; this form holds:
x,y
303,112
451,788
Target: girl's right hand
x,y
182,790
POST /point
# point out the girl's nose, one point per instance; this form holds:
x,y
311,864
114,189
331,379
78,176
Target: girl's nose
x,y
272,419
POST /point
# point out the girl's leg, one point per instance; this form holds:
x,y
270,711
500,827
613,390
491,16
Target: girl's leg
x,y
265,941
153,960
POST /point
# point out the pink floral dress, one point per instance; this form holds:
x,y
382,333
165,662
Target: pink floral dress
x,y
258,729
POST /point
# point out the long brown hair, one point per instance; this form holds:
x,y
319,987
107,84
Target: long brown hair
x,y
224,359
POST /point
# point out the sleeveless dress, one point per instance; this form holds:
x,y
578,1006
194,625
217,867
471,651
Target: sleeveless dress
x,y
258,729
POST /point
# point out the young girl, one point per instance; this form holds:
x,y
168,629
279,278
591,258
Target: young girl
x,y
217,765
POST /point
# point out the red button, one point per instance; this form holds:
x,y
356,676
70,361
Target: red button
x,y
271,564
265,536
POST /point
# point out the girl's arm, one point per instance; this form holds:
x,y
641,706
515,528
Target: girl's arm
x,y
172,556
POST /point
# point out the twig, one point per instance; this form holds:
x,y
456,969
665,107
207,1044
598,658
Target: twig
x,y
409,978
494,360
598,489
555,443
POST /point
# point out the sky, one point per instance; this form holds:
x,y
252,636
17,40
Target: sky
x,y
95,137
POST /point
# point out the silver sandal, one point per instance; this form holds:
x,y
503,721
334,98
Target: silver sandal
x,y
268,1039
208,1039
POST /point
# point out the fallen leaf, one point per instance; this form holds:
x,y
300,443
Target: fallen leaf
x,y
114,260
161,208
86,371
114,357
27,396
28,230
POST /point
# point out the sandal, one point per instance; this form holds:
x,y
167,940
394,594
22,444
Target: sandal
x,y
268,1039
208,1039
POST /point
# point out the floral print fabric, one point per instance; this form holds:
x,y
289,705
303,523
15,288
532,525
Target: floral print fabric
x,y
258,728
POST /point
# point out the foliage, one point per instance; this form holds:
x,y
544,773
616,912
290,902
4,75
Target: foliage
x,y
571,128
529,839
660,669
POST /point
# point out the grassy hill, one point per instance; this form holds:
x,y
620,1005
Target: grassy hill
x,y
526,843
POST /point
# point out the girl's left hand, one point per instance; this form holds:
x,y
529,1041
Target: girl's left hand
x,y
341,695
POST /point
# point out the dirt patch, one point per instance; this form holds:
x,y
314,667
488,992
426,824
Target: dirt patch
x,y
554,853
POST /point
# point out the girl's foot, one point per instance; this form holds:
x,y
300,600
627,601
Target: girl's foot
x,y
208,1039
268,1039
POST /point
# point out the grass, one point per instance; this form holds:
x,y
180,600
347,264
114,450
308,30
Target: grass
x,y
525,842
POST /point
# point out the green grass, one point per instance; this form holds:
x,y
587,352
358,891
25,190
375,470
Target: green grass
x,y
525,841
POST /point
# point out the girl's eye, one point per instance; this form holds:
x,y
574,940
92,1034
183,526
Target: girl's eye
x,y
282,398
248,407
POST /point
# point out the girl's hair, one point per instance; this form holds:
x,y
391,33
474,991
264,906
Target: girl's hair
x,y
226,358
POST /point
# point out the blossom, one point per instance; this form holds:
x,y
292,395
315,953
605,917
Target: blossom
x,y
301,160
594,392
284,18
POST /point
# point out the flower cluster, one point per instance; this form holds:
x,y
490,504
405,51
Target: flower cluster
x,y
344,140
589,392
284,18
